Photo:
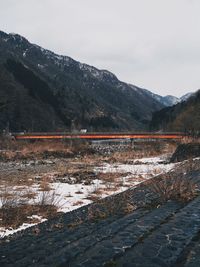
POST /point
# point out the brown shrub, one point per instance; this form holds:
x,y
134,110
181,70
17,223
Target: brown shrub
x,y
18,205
44,184
12,149
48,198
14,216
143,149
106,207
180,189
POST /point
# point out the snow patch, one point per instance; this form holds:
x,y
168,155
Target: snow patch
x,y
10,231
72,196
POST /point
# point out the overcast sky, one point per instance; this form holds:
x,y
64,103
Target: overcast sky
x,y
154,44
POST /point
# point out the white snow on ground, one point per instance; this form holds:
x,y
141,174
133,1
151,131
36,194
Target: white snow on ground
x,y
145,167
10,231
72,196
140,170
151,160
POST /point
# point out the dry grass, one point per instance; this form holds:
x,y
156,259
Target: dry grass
x,y
143,149
46,198
111,177
104,208
14,216
10,197
75,173
58,148
81,170
42,146
77,203
12,150
64,169
79,192
93,197
44,184
18,205
74,224
29,194
180,189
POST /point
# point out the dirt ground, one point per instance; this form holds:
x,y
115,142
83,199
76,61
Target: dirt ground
x,y
60,177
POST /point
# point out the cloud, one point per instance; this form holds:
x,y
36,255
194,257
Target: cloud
x,y
153,44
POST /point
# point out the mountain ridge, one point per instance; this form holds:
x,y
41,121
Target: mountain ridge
x,y
184,116
86,97
79,95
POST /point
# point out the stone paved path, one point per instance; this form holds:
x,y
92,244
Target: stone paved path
x,y
165,236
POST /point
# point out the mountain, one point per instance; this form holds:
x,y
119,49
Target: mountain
x,y
43,91
169,100
186,96
180,117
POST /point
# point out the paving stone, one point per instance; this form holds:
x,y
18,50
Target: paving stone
x,y
126,237
174,242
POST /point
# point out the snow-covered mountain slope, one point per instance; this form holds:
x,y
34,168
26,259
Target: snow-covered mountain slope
x,y
186,96
166,101
170,100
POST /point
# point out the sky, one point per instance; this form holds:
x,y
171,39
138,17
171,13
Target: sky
x,y
154,44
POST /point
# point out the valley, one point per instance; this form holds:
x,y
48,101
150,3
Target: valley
x,y
94,171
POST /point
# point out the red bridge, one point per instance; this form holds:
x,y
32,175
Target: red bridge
x,y
94,136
